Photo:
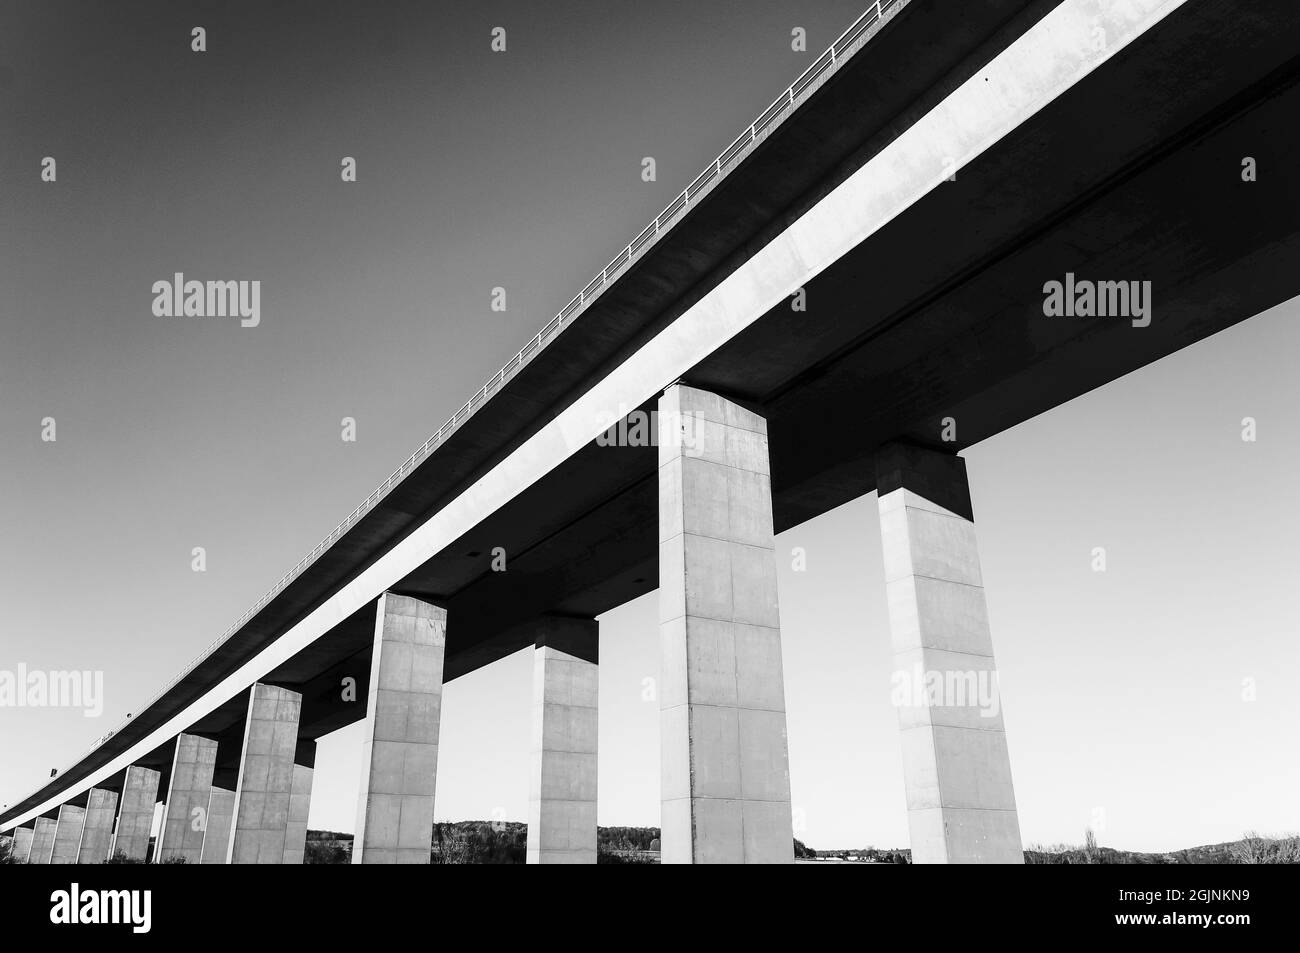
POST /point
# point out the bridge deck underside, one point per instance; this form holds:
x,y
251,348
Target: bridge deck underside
x,y
1135,174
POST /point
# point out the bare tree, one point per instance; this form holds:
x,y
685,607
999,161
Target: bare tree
x,y
1090,852
1251,849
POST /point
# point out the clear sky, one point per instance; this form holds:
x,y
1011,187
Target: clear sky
x,y
1123,690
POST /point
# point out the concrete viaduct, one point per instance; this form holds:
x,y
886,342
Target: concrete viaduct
x,y
848,297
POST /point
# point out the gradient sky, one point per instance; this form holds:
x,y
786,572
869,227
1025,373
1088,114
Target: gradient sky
x,y
1122,690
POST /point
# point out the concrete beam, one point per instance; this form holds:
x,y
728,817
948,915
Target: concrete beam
x,y
180,838
295,840
97,832
67,834
22,845
399,749
725,768
216,836
956,770
562,796
42,849
261,810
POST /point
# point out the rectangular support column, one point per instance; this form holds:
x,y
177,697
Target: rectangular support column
x,y
562,797
97,832
43,841
22,846
261,810
216,838
295,840
725,769
956,769
135,819
67,834
180,838
399,750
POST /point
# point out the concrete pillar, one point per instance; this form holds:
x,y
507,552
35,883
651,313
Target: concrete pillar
x,y
22,846
216,838
562,797
295,841
261,810
725,770
957,773
67,834
399,750
97,832
42,841
181,835
135,819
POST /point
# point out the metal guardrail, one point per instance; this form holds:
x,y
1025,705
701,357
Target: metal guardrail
x,y
677,207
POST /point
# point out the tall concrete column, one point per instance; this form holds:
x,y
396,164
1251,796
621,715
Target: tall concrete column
x,y
562,797
185,816
67,834
22,846
261,810
42,841
295,841
97,832
216,838
135,819
399,750
956,770
725,770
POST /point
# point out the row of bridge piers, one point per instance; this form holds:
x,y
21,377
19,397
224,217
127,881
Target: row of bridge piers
x,y
725,781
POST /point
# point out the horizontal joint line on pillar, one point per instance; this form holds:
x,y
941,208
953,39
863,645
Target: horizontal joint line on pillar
x,y
736,707
954,727
921,575
935,648
719,539
958,807
717,463
760,800
709,618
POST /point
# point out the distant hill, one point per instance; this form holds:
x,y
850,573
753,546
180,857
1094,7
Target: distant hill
x,y
495,842
506,842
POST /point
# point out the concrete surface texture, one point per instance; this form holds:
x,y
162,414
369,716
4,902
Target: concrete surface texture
x,y
67,834
957,772
22,845
97,831
295,837
135,819
185,815
261,809
216,838
42,841
562,794
399,748
725,771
